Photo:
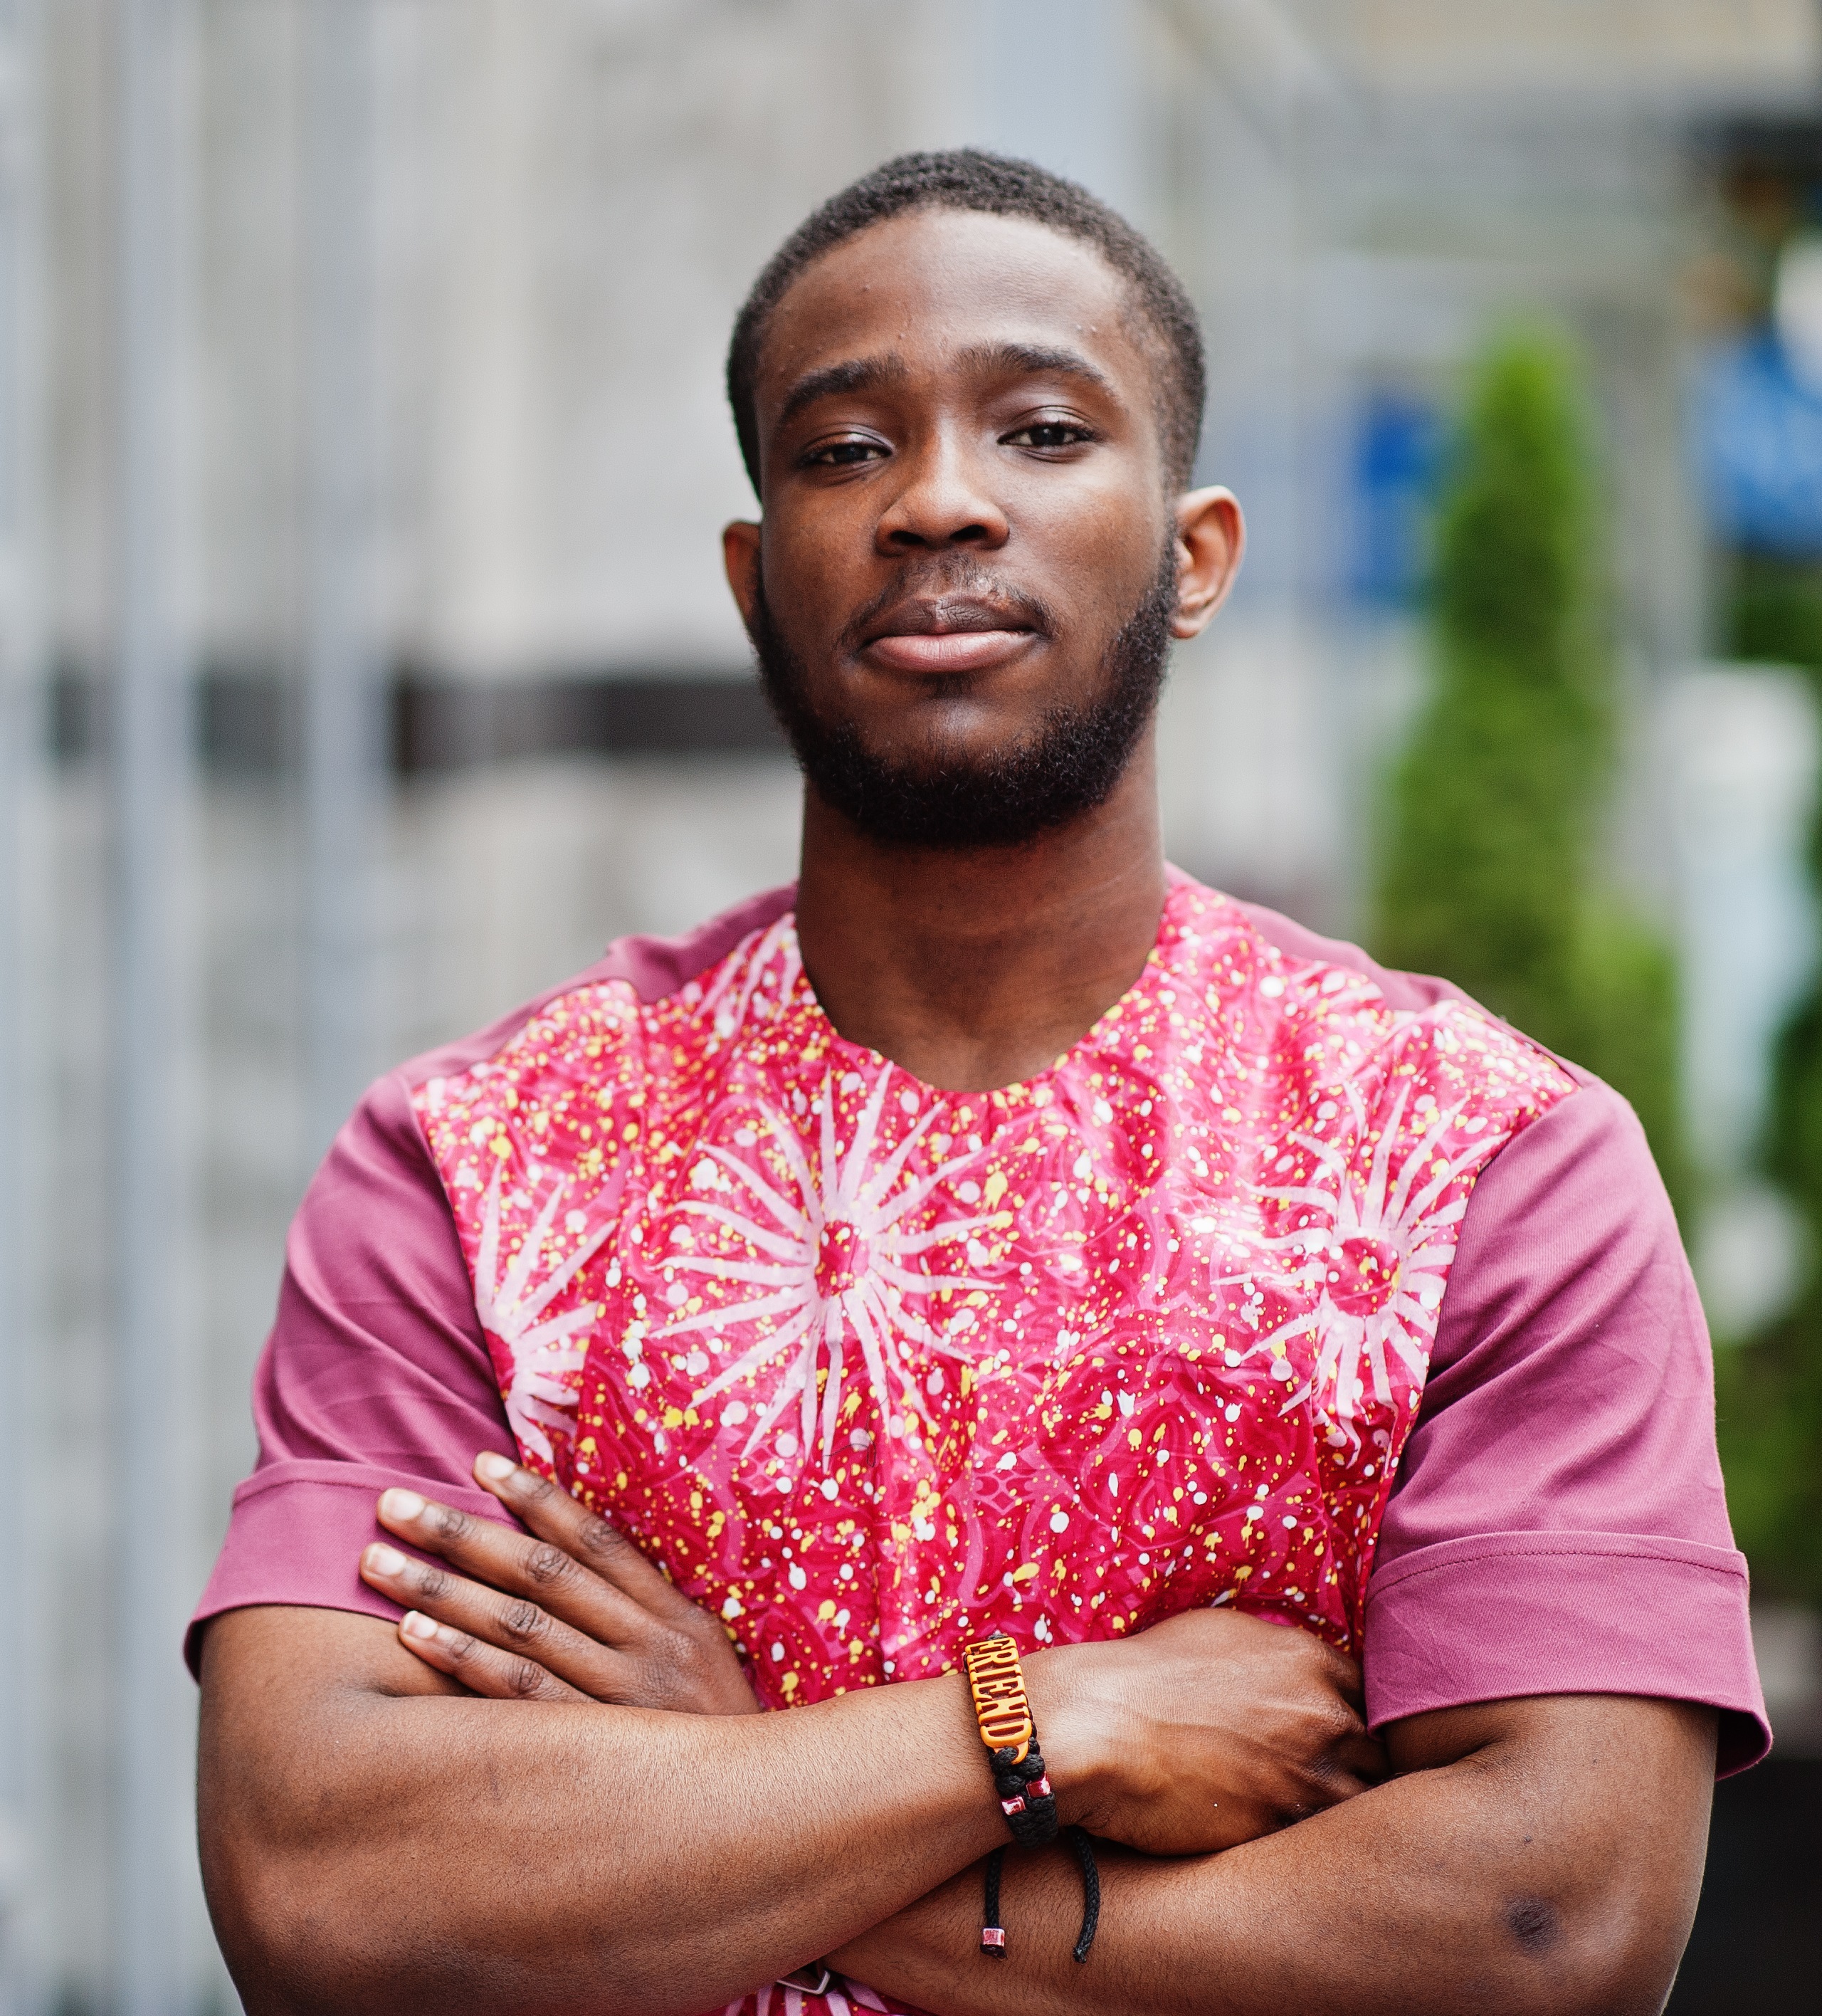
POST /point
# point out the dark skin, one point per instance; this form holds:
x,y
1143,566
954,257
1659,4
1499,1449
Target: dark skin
x,y
547,1787
970,970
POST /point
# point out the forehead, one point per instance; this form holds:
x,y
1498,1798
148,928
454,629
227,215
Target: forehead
x,y
933,284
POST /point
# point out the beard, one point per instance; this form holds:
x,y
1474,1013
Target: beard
x,y
1065,766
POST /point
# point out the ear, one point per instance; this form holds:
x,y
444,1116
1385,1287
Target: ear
x,y
740,556
1211,539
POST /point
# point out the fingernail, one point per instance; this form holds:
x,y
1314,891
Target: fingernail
x,y
400,1504
385,1561
495,1469
414,1624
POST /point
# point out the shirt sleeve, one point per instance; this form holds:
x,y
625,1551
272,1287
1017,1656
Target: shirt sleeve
x,y
1559,1526
375,1374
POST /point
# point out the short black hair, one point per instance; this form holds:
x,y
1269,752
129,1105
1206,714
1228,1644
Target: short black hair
x,y
968,178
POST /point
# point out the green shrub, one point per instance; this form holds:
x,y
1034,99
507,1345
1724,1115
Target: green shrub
x,y
1769,1388
1490,864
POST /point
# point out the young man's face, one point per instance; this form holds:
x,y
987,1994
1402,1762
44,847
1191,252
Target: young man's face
x,y
966,578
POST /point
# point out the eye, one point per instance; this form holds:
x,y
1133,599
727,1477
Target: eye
x,y
842,454
1049,434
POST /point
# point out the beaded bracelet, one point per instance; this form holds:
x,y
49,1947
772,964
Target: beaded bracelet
x,y
1002,1712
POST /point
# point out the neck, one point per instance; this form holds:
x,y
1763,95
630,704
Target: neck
x,y
972,971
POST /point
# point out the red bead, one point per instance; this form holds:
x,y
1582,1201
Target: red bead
x,y
1038,1789
993,1938
1009,1807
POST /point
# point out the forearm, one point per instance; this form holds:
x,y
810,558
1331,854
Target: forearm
x,y
1475,1885
376,1835
444,1851
1302,1924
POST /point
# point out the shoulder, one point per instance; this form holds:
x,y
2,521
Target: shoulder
x,y
1574,1211
1378,1011
1586,1139
553,1065
1353,1047
1411,992
636,970
1569,1244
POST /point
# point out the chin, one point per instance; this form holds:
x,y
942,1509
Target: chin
x,y
982,749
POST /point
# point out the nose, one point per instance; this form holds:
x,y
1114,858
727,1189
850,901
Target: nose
x,y
942,500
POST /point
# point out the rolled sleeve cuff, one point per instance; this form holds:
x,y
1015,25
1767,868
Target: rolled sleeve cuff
x,y
296,1535
1496,1616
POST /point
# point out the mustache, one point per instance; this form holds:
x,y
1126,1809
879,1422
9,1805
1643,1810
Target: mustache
x,y
942,575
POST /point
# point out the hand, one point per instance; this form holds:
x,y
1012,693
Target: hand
x,y
577,1613
1207,1730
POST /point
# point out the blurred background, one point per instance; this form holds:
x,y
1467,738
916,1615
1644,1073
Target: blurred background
x,y
365,665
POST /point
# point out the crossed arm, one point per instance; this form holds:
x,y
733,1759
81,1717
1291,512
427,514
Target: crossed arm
x,y
559,1796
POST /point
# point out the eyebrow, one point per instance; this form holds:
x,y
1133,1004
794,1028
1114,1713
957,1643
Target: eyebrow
x,y
859,374
1029,360
1006,360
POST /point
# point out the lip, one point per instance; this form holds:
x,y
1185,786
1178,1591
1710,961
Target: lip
x,y
947,650
964,635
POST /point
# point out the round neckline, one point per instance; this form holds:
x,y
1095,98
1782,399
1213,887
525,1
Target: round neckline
x,y
1091,1038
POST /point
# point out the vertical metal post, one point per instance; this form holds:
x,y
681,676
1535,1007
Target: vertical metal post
x,y
343,722
23,1738
148,748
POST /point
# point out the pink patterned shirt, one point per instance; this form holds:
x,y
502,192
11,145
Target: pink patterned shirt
x,y
1217,1309
874,1368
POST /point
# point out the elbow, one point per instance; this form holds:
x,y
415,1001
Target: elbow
x,y
1610,1956
297,1943
282,1887
296,1896
285,1943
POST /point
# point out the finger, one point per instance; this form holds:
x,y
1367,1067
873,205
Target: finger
x,y
482,1668
1348,1683
509,1624
1364,1756
1354,1765
1350,1760
554,1515
502,1559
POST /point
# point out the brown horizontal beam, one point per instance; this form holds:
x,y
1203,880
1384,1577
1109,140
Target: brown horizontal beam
x,y
246,719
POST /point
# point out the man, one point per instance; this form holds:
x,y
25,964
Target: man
x,y
997,1232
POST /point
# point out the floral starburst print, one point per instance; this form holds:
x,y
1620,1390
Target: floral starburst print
x,y
838,1261
545,1358
1377,1251
737,991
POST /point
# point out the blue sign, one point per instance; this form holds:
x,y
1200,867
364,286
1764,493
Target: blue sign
x,y
1399,445
1758,438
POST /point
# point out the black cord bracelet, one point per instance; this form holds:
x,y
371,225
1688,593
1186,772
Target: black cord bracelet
x,y
1025,1798
1084,1848
1003,1710
993,1934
